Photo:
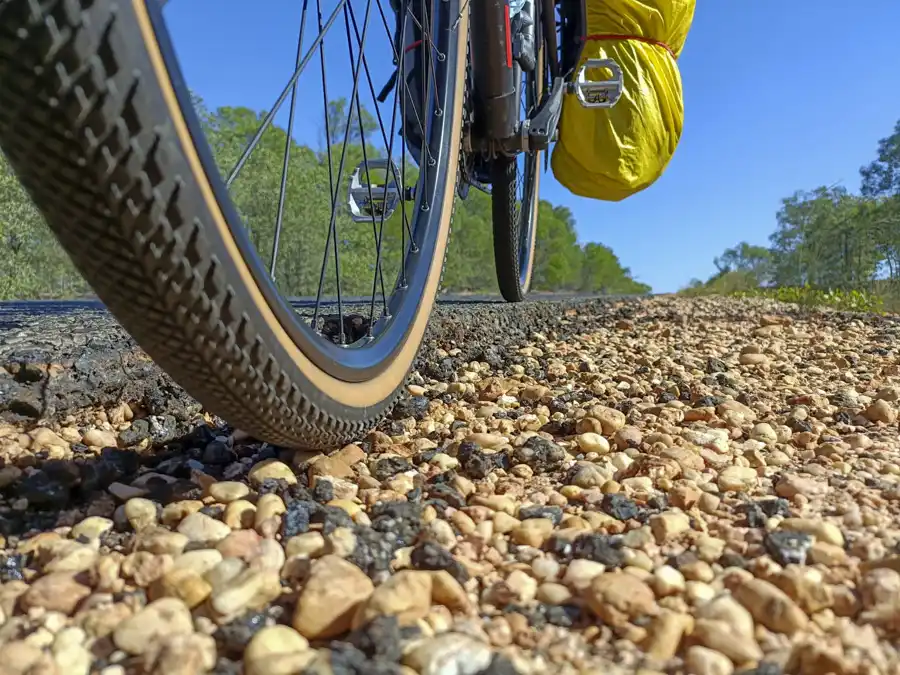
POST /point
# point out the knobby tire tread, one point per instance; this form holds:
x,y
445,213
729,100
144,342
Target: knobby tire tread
x,y
506,220
79,126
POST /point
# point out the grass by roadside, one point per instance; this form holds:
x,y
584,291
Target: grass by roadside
x,y
880,299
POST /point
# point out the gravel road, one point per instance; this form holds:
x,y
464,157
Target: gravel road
x,y
584,487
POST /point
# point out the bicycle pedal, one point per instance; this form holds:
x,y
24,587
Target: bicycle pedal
x,y
598,93
373,191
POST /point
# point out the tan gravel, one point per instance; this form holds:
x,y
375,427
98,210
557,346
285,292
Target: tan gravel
x,y
704,487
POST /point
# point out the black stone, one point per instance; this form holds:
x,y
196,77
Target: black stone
x,y
430,556
561,547
213,510
448,495
137,432
775,507
788,547
232,638
379,639
44,491
798,426
682,559
390,466
754,514
269,452
425,456
620,507
332,517
224,666
12,566
297,518
346,659
540,454
112,465
400,518
553,513
374,550
658,502
218,453
540,615
475,463
843,417
599,548
163,428
324,491
732,559
412,406
565,616
757,512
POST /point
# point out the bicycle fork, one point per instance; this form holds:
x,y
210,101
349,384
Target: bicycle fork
x,y
494,71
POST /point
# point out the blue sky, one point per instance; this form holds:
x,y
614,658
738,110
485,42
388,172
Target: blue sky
x,y
779,94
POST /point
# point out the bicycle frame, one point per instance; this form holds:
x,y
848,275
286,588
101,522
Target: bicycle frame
x,y
497,129
495,96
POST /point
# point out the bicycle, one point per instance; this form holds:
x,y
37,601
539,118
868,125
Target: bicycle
x,y
98,123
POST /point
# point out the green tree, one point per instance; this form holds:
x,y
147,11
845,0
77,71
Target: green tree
x,y
558,258
745,257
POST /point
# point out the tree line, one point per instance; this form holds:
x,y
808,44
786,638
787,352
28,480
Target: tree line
x,y
828,238
34,266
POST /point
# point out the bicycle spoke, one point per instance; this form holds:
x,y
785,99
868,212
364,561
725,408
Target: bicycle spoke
x,y
282,192
401,282
379,237
267,121
397,60
428,161
384,138
333,222
427,32
331,185
362,136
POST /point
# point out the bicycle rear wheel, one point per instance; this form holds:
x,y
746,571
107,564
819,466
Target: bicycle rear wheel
x,y
515,188
98,123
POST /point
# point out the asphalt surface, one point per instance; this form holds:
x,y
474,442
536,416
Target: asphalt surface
x,y
69,306
58,357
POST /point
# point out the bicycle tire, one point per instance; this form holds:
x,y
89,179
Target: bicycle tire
x,y
513,272
91,123
515,229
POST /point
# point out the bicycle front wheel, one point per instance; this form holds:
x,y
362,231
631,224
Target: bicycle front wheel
x,y
99,125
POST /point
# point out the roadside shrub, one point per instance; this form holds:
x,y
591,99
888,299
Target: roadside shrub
x,y
807,296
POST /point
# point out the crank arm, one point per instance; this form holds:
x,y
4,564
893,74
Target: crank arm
x,y
542,125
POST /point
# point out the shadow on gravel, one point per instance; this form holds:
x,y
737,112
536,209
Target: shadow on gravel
x,y
40,493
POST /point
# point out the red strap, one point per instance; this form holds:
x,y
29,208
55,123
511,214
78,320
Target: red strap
x,y
412,46
637,38
508,35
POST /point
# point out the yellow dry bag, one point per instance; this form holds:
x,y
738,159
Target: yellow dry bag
x,y
613,153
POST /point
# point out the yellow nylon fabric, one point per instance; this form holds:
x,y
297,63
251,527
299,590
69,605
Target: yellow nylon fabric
x,y
611,154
